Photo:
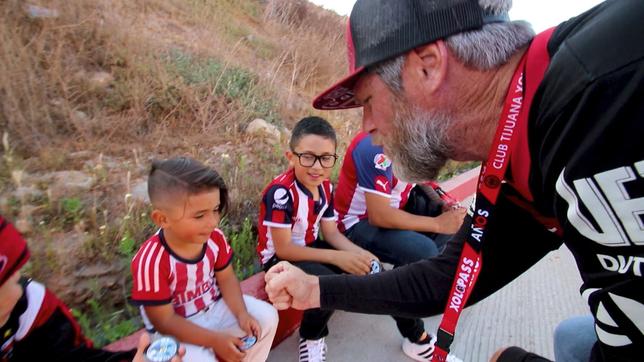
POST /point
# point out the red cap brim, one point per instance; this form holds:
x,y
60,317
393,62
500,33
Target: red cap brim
x,y
340,95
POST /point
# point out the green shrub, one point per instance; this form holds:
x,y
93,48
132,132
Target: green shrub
x,y
104,327
72,210
127,245
243,242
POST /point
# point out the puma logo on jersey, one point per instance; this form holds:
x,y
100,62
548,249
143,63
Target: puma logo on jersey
x,y
383,184
614,217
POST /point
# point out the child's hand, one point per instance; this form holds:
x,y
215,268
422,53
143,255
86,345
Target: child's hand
x,y
368,253
227,347
354,262
249,324
450,221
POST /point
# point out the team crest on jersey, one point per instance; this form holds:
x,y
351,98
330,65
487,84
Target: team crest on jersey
x,y
381,161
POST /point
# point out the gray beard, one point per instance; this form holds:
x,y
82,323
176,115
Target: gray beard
x,y
419,145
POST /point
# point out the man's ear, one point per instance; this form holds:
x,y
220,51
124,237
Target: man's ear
x,y
427,67
159,217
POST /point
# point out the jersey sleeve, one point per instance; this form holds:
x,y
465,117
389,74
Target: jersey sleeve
x,y
278,204
224,253
150,275
373,168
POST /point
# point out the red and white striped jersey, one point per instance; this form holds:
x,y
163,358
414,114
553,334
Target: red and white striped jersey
x,y
288,204
366,169
162,277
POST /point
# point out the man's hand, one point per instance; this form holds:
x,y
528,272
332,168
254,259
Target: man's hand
x,y
451,220
144,341
249,325
289,287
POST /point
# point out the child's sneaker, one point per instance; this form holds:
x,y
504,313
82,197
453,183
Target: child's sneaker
x,y
312,350
423,351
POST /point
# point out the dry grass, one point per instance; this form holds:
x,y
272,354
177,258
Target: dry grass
x,y
50,100
128,81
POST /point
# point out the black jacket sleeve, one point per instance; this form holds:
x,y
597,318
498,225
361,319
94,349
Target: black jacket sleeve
x,y
514,243
55,341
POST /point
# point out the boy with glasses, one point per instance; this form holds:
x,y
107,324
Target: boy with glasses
x,y
295,206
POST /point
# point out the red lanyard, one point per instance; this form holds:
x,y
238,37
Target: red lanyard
x,y
492,173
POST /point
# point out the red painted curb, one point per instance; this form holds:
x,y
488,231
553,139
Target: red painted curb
x,y
289,319
462,186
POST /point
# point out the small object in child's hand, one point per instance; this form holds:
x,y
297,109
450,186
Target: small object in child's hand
x,y
376,267
249,341
162,349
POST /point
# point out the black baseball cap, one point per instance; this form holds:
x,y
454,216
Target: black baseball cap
x,y
381,29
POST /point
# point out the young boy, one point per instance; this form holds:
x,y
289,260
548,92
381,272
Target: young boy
x,y
295,205
183,277
34,324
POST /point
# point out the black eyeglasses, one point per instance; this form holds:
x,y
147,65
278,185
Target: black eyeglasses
x,y
309,159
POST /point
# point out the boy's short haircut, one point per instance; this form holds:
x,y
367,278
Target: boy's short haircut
x,y
311,126
186,177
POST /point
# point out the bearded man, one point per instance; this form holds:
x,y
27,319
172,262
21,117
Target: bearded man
x,y
557,120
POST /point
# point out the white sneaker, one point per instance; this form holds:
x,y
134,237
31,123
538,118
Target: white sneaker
x,y
423,352
312,350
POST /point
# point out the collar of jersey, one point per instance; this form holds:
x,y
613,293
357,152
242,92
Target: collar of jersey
x,y
309,194
181,259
